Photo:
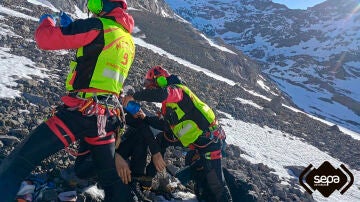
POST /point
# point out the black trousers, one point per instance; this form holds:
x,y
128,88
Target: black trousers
x,y
133,148
207,174
43,142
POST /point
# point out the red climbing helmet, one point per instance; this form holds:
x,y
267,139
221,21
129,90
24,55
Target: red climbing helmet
x,y
123,2
156,77
155,72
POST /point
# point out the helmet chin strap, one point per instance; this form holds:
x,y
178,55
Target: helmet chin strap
x,y
96,15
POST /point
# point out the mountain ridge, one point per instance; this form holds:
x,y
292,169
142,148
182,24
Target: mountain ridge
x,y
312,52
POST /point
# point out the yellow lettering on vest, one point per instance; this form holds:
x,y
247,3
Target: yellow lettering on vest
x,y
115,66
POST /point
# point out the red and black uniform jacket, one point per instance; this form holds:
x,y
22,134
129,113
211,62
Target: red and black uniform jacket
x,y
87,33
172,93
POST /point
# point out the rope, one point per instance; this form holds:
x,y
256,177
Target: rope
x,y
170,140
205,145
74,153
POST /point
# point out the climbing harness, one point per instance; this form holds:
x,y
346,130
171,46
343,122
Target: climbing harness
x,y
172,140
96,105
101,106
214,133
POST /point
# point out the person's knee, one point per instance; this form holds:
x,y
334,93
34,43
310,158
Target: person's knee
x,y
84,167
115,189
217,185
108,176
80,172
117,192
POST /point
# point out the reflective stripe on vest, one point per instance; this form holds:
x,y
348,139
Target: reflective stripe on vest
x,y
113,62
187,132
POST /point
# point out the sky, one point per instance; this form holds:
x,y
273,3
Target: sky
x,y
266,145
298,4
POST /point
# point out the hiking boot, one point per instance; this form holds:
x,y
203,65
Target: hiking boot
x,y
139,193
25,192
68,196
25,198
145,181
47,195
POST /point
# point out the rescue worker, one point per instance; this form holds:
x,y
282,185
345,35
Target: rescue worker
x,y
91,109
193,123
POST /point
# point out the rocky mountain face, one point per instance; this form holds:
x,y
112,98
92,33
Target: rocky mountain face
x,y
313,54
250,182
234,65
157,7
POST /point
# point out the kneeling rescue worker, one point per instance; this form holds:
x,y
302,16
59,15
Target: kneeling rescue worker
x,y
193,123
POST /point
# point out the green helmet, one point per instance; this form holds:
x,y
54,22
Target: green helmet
x,y
97,6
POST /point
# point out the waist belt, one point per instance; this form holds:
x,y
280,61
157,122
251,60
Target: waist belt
x,y
213,155
91,106
214,135
100,106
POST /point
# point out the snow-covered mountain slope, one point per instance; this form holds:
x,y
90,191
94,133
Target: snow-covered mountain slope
x,y
313,55
270,137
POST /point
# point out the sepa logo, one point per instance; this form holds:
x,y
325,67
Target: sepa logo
x,y
326,179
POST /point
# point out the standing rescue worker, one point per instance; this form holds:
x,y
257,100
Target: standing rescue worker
x,y
91,110
193,123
